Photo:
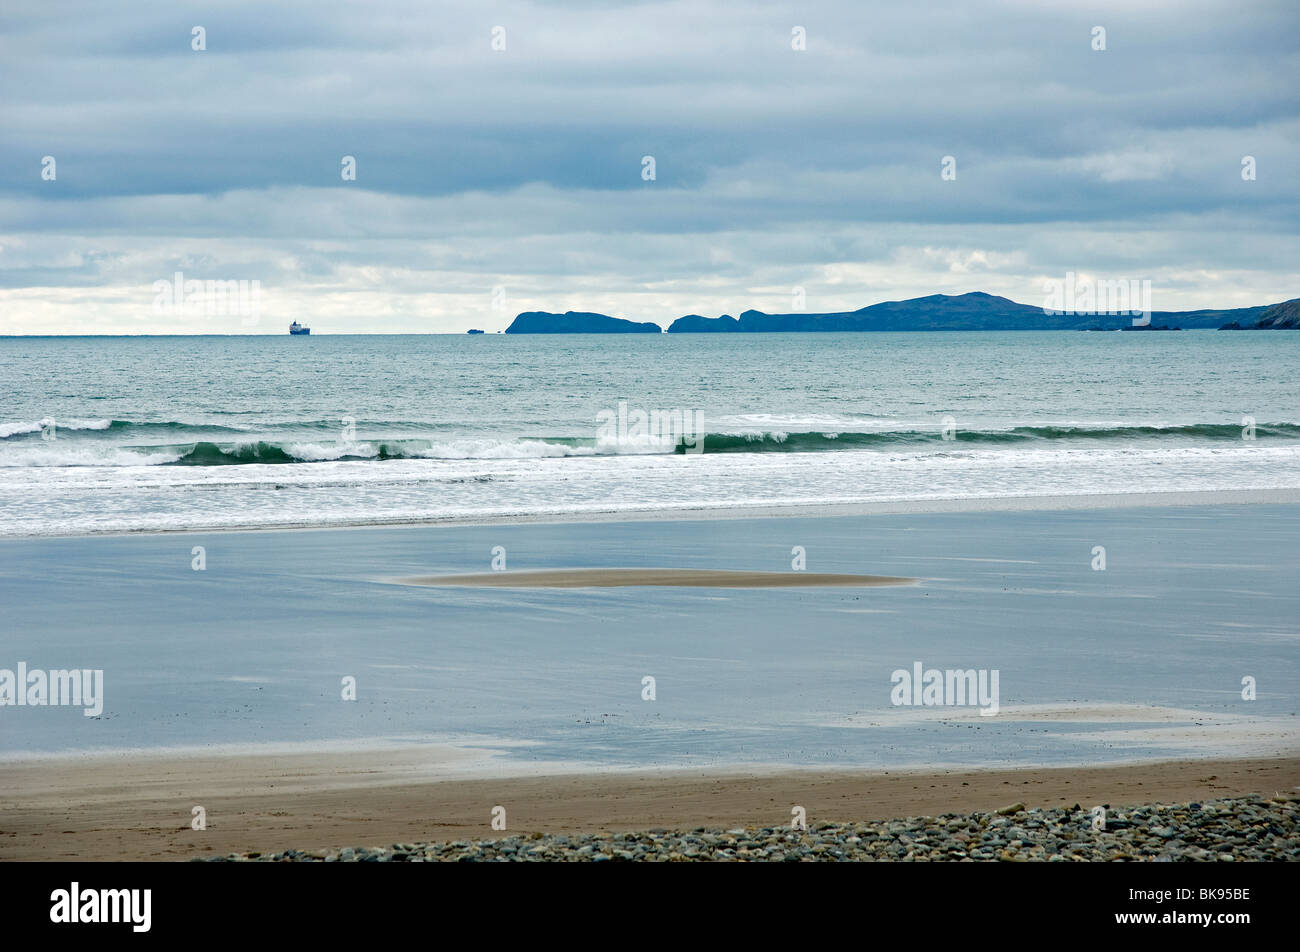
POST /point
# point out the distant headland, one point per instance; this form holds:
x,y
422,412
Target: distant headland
x,y
576,322
1278,317
974,311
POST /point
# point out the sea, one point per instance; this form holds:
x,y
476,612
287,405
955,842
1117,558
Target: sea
x,y
221,526
137,434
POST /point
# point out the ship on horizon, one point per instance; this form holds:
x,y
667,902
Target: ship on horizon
x,y
295,329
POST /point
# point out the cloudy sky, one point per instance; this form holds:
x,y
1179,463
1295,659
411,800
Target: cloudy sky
x,y
522,169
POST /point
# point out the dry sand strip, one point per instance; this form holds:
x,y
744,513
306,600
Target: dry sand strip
x,y
141,809
694,578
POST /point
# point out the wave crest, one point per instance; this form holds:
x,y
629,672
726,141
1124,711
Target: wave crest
x,y
71,450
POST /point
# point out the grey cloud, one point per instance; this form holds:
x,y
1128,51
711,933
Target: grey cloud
x,y
771,164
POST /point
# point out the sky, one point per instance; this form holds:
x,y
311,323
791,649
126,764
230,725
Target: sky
x,y
501,150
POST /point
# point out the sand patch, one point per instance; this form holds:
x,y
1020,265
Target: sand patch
x,y
1080,713
1177,731
690,578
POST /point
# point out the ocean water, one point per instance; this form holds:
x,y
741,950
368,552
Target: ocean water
x,y
149,433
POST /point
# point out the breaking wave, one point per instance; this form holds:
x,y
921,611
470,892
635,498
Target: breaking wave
x,y
79,443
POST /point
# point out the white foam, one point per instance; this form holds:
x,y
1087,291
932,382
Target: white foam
x,y
87,488
65,453
320,452
12,429
498,449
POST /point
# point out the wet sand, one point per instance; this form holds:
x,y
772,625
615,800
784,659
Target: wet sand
x,y
139,808
691,578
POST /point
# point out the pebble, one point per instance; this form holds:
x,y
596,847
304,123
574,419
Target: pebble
x,y
1238,829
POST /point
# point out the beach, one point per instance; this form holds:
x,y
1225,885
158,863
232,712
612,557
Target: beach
x,y
141,808
647,674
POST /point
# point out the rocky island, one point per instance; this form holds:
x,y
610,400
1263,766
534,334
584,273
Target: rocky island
x,y
577,322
